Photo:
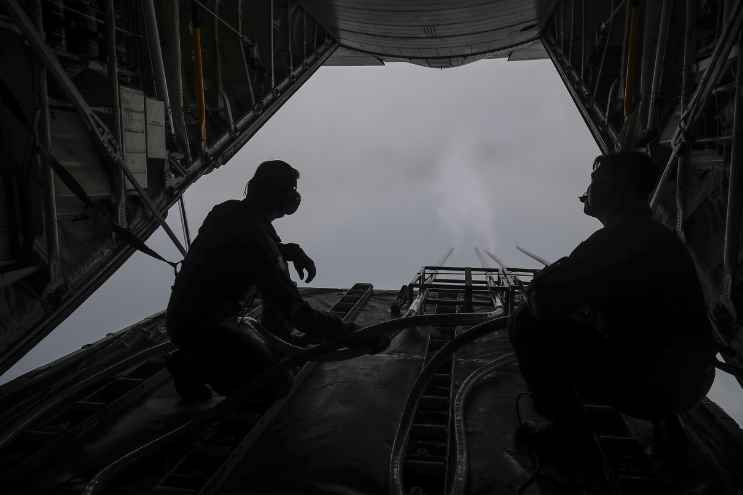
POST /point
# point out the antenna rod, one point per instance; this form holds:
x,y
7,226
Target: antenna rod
x,y
533,256
497,260
483,261
509,278
446,257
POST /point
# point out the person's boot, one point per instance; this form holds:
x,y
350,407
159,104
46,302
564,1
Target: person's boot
x,y
187,383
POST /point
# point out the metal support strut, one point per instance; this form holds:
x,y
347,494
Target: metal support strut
x,y
707,83
108,144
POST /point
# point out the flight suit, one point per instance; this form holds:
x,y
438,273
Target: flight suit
x,y
236,253
622,320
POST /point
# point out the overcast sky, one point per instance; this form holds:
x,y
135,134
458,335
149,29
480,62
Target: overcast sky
x,y
398,164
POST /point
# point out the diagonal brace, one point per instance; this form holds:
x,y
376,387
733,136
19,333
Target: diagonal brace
x,y
709,79
96,127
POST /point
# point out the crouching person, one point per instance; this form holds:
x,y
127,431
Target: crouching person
x,y
236,252
622,320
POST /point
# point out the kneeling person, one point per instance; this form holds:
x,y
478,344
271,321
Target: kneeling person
x,y
622,320
237,251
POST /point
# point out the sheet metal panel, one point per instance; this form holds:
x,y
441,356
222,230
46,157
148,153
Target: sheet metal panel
x,y
428,32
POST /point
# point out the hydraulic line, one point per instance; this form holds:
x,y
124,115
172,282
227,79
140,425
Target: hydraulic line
x,y
459,482
390,328
406,421
331,351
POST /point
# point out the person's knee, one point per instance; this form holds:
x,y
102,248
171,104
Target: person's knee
x,y
238,356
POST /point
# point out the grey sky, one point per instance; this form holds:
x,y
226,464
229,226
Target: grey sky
x,y
398,164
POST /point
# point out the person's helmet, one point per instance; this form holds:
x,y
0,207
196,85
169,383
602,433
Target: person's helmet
x,y
274,184
616,177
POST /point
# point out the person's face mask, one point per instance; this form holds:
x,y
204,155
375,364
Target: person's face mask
x,y
292,201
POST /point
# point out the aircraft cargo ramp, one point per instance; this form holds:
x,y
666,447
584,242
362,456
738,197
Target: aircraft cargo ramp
x,y
436,412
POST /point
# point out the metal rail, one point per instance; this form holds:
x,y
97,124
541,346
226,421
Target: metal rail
x,y
405,296
601,131
156,52
119,184
658,65
429,451
51,225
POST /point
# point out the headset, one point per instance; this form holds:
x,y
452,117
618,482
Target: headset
x,y
288,199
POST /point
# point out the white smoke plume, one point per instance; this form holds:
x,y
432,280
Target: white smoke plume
x,y
463,197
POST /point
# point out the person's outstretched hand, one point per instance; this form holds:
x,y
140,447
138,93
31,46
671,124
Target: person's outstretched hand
x,y
305,263
301,261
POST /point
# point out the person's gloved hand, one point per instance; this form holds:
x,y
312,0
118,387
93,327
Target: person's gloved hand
x,y
292,252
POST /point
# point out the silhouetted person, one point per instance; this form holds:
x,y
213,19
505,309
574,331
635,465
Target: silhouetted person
x,y
237,252
622,320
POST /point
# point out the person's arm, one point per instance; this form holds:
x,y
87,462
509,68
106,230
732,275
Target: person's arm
x,y
583,277
294,253
274,284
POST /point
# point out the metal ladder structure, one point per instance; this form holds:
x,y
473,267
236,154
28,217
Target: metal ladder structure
x,y
427,467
